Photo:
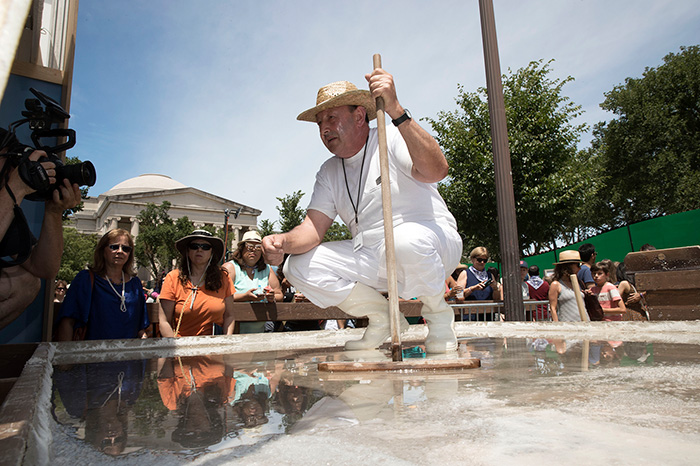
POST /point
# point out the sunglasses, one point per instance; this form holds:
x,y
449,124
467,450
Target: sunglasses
x,y
481,261
202,246
253,247
116,247
60,288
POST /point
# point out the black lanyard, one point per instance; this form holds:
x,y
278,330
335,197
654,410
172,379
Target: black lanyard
x,y
359,184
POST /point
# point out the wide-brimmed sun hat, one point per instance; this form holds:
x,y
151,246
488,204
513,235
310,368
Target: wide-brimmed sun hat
x,y
250,236
217,244
338,94
569,257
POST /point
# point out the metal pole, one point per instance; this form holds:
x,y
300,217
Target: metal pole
x,y
507,224
227,212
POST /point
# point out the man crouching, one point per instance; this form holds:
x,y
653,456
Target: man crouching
x,y
351,274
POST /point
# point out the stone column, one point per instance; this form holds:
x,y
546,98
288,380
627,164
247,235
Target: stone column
x,y
113,222
134,226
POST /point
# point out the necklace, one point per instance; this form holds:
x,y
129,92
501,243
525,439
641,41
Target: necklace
x,y
193,294
122,297
359,184
117,389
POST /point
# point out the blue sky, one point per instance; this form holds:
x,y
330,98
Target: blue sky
x,y
207,92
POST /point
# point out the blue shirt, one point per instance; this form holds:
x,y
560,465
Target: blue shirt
x,y
585,274
98,306
485,294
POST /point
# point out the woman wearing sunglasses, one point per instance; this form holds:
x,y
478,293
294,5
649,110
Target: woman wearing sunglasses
x,y
106,301
59,293
253,279
198,295
478,283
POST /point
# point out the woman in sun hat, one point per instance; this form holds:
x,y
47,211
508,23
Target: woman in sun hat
x,y
253,279
199,293
562,297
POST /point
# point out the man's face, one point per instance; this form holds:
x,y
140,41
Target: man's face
x,y
523,273
340,131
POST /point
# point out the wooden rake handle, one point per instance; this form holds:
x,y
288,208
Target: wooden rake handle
x,y
391,277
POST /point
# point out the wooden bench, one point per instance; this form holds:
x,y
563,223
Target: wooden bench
x,y
263,312
671,280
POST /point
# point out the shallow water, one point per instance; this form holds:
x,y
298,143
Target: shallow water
x,y
532,400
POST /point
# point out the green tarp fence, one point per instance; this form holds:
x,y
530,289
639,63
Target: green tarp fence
x,y
670,231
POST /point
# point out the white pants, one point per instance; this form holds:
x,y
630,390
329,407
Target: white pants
x,y
426,253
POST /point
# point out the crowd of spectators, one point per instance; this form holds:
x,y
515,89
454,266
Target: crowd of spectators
x,y
600,281
193,301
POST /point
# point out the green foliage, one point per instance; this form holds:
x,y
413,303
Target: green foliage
x,y
291,214
337,232
78,252
266,227
155,244
650,152
547,181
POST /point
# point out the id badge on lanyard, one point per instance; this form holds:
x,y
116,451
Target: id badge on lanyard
x,y
357,242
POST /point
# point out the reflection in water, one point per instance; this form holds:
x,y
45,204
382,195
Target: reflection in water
x,y
185,407
101,395
196,389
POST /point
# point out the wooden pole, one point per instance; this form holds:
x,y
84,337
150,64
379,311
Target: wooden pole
x,y
505,199
391,277
579,298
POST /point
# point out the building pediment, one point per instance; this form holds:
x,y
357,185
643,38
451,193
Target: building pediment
x,y
125,201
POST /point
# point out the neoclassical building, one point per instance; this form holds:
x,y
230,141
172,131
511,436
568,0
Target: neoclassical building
x,y
120,206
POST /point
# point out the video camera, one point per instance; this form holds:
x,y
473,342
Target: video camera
x,y
40,119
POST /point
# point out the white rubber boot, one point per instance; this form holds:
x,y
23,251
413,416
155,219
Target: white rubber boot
x,y
440,318
365,301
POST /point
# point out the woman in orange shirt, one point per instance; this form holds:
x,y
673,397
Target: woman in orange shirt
x,y
199,293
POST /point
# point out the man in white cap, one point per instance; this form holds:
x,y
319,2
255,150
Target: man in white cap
x,y
352,274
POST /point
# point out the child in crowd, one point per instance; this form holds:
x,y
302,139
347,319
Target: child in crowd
x,y
608,296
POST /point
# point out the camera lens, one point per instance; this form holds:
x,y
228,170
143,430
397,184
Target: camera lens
x,y
82,174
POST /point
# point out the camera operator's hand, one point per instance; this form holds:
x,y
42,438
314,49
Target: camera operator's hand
x,y
19,187
45,259
65,197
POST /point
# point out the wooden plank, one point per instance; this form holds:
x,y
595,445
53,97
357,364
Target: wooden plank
x,y
407,364
262,312
673,298
42,73
668,280
675,313
663,259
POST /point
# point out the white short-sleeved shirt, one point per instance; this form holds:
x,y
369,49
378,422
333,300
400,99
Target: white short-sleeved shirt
x,y
412,200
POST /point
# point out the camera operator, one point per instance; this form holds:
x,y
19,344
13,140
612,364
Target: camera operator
x,y
20,281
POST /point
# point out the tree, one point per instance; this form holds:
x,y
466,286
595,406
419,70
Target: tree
x,y
547,180
78,252
650,152
337,232
155,244
266,227
291,214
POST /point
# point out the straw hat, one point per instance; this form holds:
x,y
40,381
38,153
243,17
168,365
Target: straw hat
x,y
569,257
250,236
338,94
217,244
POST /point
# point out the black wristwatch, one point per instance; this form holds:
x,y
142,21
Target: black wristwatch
x,y
406,116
